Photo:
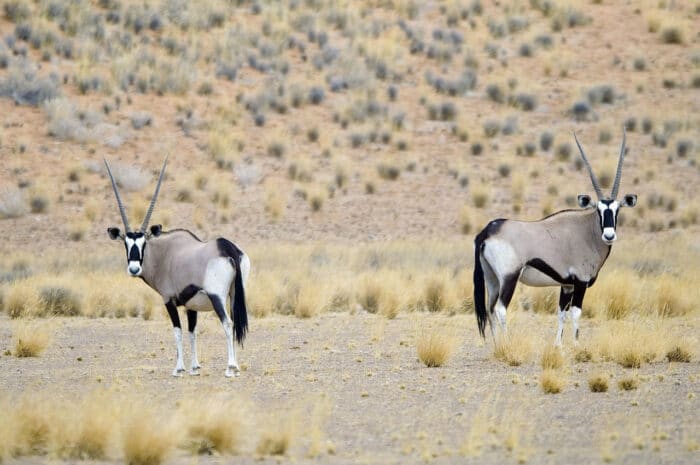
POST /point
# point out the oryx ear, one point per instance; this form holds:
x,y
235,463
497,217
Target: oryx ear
x,y
156,229
114,233
584,201
630,200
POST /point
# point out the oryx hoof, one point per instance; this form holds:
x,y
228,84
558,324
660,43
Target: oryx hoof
x,y
232,371
194,371
178,372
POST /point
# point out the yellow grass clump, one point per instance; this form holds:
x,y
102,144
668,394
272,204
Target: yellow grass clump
x,y
311,299
435,346
681,350
276,436
261,294
30,338
672,297
628,383
513,348
552,359
629,343
214,425
22,299
552,381
147,437
598,382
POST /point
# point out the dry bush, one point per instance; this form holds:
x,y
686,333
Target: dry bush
x,y
552,359
310,300
583,354
22,299
672,297
32,419
276,435
31,338
370,293
147,436
614,296
598,382
552,381
628,383
87,428
542,300
681,350
514,348
261,295
59,301
437,293
629,343
390,304
435,346
213,425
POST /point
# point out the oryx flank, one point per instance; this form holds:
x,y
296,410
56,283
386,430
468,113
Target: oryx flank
x,y
200,276
566,249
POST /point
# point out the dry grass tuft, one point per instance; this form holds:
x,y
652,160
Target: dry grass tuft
x,y
30,338
147,437
629,343
552,381
214,426
435,347
583,355
22,299
628,383
310,300
32,420
598,382
276,437
390,303
680,350
552,359
513,349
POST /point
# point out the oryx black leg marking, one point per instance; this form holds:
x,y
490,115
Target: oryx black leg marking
x,y
577,304
565,297
191,320
177,331
191,326
508,288
220,309
172,312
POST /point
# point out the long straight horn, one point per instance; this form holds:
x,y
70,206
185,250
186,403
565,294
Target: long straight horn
x,y
618,175
155,197
119,200
594,180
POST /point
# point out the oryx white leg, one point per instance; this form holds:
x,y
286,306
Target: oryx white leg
x,y
575,315
500,311
180,366
561,315
232,368
192,326
177,332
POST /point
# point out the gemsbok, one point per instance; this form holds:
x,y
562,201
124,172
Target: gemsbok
x,y
185,271
566,249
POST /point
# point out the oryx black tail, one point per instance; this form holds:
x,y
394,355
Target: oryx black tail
x,y
239,313
479,288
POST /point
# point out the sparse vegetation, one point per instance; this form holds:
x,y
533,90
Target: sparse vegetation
x,y
552,381
598,382
435,347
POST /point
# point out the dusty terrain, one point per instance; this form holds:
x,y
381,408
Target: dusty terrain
x,y
381,405
357,203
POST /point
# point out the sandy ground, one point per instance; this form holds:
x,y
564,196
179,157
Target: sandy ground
x,y
382,405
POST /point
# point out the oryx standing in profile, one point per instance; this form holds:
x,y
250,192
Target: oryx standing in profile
x,y
566,249
200,276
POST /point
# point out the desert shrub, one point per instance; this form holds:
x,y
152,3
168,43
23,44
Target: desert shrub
x,y
388,172
598,382
275,437
552,381
147,439
39,203
552,359
59,300
628,383
23,86
546,140
513,348
212,428
30,338
680,350
525,102
435,347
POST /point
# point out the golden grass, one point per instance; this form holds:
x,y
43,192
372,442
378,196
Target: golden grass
x,y
598,382
629,343
214,425
148,437
628,383
311,300
552,381
681,350
514,348
276,437
31,338
435,346
552,359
